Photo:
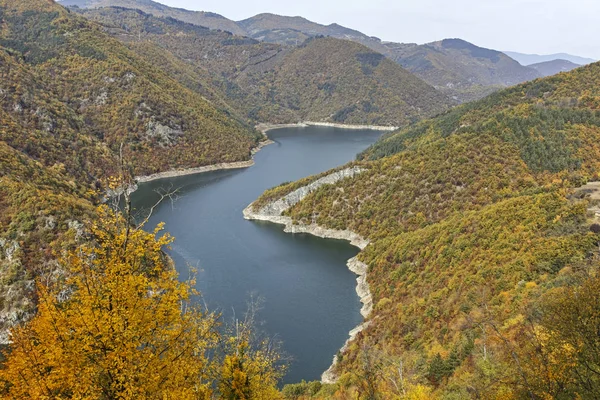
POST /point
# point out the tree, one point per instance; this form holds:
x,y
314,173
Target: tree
x,y
563,352
119,325
252,364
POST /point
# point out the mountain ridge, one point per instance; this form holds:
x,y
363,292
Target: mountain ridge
x,y
549,68
528,59
476,219
271,83
461,75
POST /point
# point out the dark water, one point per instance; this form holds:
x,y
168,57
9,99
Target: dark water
x,y
310,302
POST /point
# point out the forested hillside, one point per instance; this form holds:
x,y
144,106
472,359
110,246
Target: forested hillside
x,y
461,69
71,100
480,246
323,79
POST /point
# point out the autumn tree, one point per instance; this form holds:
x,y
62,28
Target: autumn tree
x,y
563,352
120,325
252,362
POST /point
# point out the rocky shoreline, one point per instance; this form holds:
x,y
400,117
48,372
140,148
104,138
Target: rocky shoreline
x,y
263,128
192,171
273,211
268,127
206,168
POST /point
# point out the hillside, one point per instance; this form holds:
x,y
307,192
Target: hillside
x,y
476,229
459,68
328,79
293,30
554,67
324,79
200,18
528,59
71,99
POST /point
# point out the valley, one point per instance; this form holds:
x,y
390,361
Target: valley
x,y
301,278
423,215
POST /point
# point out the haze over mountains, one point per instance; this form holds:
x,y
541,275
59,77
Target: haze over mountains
x,y
461,70
548,68
529,59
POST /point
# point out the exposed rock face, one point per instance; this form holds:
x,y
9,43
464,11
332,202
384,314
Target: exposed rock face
x,y
273,211
165,135
278,207
15,289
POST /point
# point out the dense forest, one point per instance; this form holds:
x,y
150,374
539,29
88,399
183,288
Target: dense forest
x,y
461,70
71,100
321,79
116,323
484,254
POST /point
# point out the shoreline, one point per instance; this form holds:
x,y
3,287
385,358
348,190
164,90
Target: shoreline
x,y
206,168
272,213
265,127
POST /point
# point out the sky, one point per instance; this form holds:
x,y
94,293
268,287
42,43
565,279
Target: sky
x,y
526,26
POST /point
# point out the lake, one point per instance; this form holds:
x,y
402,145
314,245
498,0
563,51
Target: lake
x,y
310,302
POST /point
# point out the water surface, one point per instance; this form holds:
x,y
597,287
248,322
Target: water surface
x,y
310,302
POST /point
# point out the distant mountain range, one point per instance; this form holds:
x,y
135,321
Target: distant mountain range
x,y
529,59
549,68
459,69
207,19
324,79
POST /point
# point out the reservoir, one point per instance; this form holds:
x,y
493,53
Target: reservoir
x,y
310,301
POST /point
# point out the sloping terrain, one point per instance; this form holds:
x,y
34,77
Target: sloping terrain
x,y
461,69
324,79
294,30
201,18
71,99
458,68
475,225
549,68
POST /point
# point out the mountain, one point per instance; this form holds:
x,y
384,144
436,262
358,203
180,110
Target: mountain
x,y
528,59
323,79
72,98
459,68
294,30
78,99
201,18
554,67
477,223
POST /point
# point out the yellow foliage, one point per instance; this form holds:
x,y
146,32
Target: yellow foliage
x,y
121,326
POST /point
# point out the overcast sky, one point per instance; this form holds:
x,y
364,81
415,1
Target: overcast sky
x,y
527,26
